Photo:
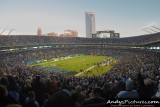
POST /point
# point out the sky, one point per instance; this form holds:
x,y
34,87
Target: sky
x,y
127,17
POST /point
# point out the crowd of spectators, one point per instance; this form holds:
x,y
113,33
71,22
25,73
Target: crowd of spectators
x,y
135,71
37,40
135,75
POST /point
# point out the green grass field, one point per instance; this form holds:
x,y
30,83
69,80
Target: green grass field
x,y
78,63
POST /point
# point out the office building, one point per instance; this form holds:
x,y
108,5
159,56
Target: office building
x,y
90,24
69,33
52,34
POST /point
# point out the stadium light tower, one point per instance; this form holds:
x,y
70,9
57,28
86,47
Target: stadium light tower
x,y
10,31
155,27
147,30
151,30
2,31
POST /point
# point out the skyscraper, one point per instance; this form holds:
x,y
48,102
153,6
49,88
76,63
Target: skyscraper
x,y
90,24
39,32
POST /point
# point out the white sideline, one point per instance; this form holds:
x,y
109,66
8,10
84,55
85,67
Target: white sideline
x,y
85,70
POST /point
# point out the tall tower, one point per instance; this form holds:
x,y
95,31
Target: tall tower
x,y
39,32
90,24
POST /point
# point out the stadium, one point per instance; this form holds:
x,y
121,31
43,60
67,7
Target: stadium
x,y
43,64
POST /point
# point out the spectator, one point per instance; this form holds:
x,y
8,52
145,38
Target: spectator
x,y
26,88
30,101
129,92
105,91
61,98
79,96
96,100
39,89
157,95
3,96
13,91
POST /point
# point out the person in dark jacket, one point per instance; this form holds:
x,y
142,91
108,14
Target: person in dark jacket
x,y
3,96
96,100
61,98
30,101
39,89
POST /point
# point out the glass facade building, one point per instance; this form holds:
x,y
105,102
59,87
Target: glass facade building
x,y
90,24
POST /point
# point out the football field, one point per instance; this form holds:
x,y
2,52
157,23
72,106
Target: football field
x,y
83,65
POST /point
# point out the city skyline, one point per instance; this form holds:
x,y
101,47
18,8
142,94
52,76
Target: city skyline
x,y
127,17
